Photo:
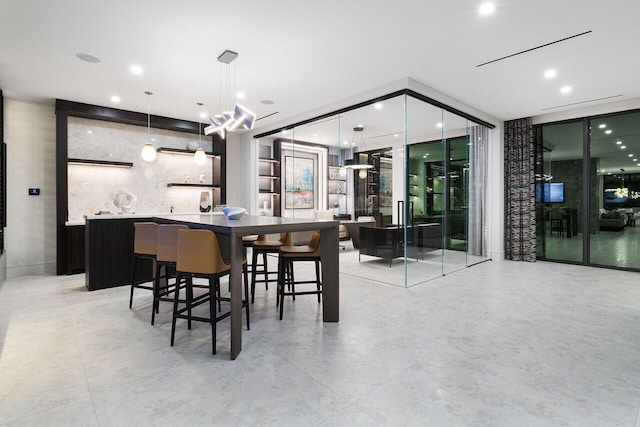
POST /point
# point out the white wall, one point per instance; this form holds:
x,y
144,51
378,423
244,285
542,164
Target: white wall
x,y
30,238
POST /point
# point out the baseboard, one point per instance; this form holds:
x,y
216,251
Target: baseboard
x,y
3,268
31,270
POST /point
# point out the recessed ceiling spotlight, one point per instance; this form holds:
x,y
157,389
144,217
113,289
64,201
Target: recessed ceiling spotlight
x,y
630,155
345,142
240,95
424,157
315,134
87,58
609,173
378,105
566,89
203,115
115,99
608,131
551,73
622,147
438,125
602,126
395,135
136,69
618,142
89,132
285,131
486,8
266,102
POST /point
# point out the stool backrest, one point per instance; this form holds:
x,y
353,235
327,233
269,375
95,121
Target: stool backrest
x,y
314,243
285,238
168,242
199,252
145,241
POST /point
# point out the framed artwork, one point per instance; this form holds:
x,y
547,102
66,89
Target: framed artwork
x,y
299,183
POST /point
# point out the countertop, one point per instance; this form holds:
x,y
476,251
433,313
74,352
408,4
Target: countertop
x,y
135,215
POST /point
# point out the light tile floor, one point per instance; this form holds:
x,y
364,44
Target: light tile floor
x,y
499,344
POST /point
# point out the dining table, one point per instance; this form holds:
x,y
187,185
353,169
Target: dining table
x,y
232,230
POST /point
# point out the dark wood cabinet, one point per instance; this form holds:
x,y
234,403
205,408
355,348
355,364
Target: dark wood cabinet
x,y
75,249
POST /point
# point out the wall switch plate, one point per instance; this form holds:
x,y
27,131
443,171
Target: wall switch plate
x,y
34,191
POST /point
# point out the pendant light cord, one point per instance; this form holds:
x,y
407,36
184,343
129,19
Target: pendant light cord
x,y
148,115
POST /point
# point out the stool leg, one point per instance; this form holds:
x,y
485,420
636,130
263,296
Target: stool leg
x,y
189,300
292,281
213,285
318,279
133,279
265,270
245,302
156,294
254,261
281,266
175,310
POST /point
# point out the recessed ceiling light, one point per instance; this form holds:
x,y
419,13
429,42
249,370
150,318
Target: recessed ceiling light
x,y
345,142
240,95
315,134
618,142
136,69
622,147
266,102
87,58
203,115
438,125
609,173
395,135
115,99
378,105
602,126
424,157
630,155
285,131
608,131
566,89
89,132
551,73
486,8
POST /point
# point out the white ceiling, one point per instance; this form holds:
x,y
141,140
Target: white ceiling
x,y
304,55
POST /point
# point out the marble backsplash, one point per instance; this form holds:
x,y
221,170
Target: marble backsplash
x,y
91,188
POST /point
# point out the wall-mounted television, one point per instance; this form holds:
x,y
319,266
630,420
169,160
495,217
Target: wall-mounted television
x,y
553,192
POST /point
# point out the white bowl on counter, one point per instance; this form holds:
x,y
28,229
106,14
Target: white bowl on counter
x,y
233,212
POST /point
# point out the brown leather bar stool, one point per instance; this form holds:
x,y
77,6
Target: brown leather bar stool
x,y
166,256
247,242
145,244
199,256
264,246
290,254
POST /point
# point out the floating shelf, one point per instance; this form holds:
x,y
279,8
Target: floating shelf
x,y
99,163
338,180
337,194
269,176
268,159
413,175
184,152
268,192
181,184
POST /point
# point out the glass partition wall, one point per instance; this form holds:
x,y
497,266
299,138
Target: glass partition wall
x,y
406,207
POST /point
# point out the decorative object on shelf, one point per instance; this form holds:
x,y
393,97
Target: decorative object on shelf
x,y
205,202
233,212
200,158
192,145
187,178
125,201
148,152
201,178
229,120
355,162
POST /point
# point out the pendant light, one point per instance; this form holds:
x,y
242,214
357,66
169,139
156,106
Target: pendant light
x,y
148,152
200,157
355,163
238,118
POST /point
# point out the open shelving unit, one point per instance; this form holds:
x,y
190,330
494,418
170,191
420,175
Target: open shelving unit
x,y
269,178
90,162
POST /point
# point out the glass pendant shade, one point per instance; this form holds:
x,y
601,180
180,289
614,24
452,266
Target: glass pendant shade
x,y
362,174
148,152
200,158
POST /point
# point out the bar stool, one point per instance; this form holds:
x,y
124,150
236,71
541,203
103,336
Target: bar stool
x,y
199,256
264,246
166,256
247,242
145,244
290,254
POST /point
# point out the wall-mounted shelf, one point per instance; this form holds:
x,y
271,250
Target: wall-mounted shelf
x,y
184,152
99,163
269,176
270,193
181,184
337,194
269,160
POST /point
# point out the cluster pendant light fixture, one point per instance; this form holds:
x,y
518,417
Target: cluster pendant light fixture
x,y
230,119
200,157
148,152
355,163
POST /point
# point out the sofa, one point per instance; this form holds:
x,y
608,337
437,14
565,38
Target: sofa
x,y
612,220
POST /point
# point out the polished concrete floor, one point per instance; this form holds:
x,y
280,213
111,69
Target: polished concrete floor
x,y
498,344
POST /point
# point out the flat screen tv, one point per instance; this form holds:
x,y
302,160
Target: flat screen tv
x,y
553,192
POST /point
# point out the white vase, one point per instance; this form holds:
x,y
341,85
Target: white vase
x,y
205,202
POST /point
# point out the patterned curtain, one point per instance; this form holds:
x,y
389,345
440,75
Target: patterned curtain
x,y
478,162
519,169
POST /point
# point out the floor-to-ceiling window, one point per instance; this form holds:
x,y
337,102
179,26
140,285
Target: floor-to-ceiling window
x,y
588,191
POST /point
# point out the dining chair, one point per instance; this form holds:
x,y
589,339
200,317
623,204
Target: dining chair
x,y
288,255
199,256
263,246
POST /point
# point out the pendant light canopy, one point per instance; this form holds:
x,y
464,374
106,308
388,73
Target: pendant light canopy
x,y
229,119
355,163
200,158
148,152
